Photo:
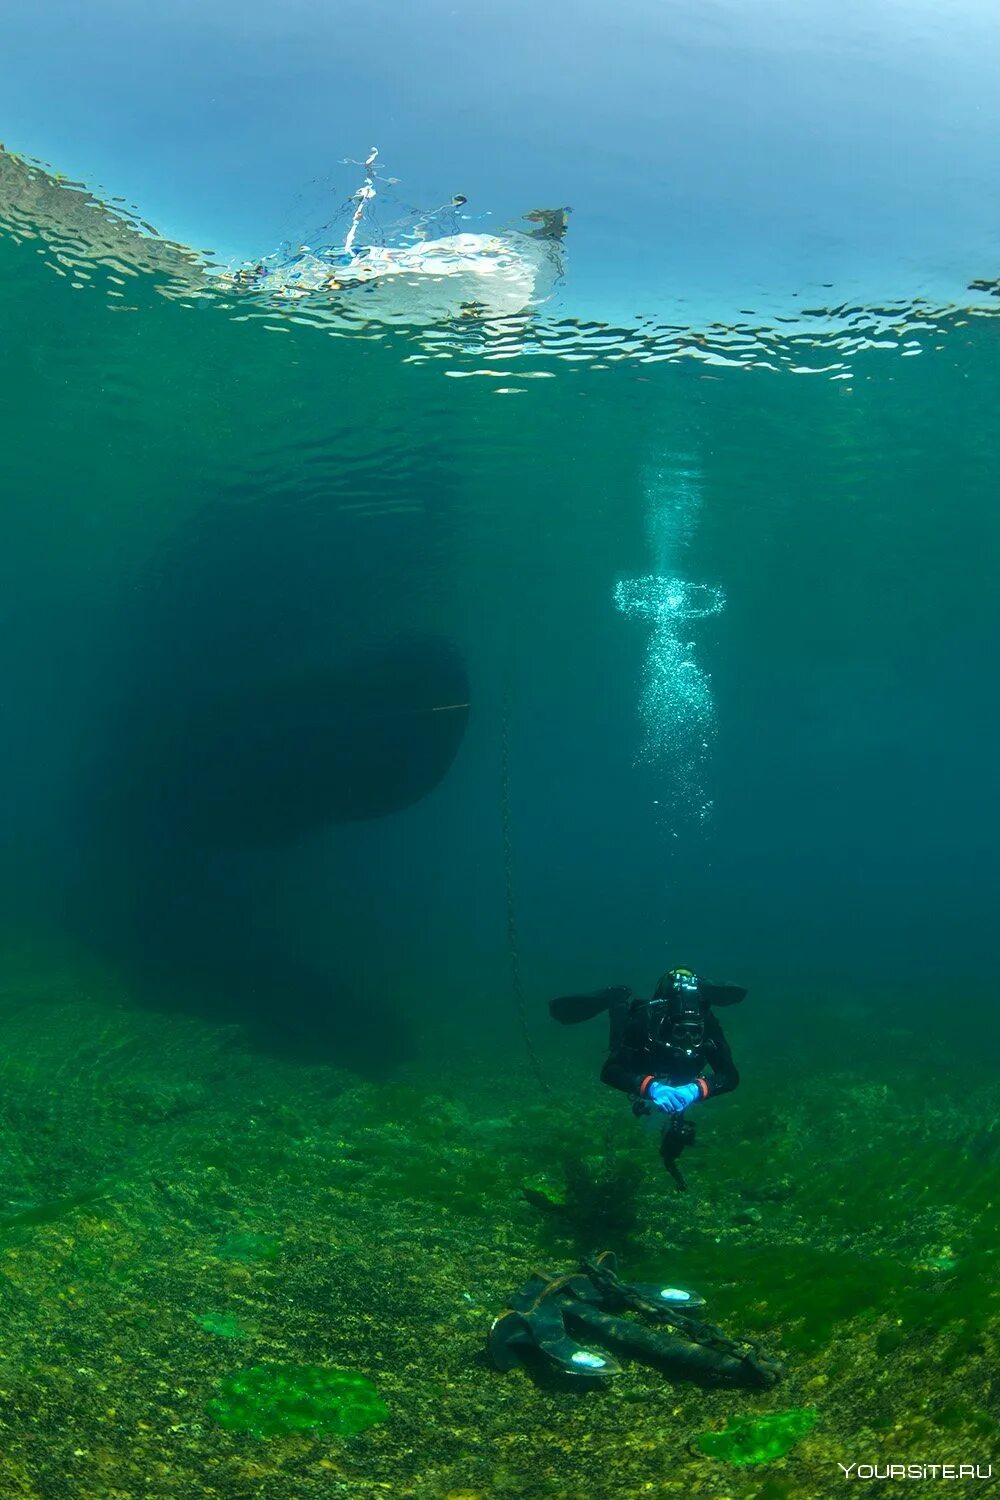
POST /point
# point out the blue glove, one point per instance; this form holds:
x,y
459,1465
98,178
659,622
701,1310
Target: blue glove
x,y
672,1099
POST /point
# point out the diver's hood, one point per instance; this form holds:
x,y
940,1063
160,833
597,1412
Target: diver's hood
x,y
709,994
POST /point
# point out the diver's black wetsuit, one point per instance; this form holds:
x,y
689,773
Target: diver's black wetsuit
x,y
659,1049
634,1053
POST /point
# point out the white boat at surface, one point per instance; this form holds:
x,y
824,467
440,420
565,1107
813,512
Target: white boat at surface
x,y
425,281
460,274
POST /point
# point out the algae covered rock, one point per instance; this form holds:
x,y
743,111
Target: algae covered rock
x,y
758,1440
270,1400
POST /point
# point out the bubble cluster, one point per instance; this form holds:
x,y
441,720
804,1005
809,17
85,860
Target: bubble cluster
x,y
676,706
668,599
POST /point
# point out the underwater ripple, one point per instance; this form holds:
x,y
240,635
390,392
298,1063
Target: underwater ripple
x,y
107,248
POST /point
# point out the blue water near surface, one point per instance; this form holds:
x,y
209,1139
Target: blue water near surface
x,y
718,156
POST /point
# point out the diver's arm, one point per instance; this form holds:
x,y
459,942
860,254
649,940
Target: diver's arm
x,y
725,1074
626,1066
626,1070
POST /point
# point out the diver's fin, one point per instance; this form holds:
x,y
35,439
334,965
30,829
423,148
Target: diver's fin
x,y
571,1009
720,994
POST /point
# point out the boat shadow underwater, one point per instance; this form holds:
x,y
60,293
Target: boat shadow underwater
x,y
264,694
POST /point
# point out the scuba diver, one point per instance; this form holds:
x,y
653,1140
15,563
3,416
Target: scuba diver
x,y
658,1050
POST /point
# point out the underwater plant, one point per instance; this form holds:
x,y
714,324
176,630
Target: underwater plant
x,y
758,1440
602,1196
270,1400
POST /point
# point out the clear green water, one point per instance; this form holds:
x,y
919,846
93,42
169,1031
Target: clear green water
x,y
811,807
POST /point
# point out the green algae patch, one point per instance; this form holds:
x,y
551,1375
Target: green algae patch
x,y
759,1440
541,1192
223,1325
249,1247
272,1400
